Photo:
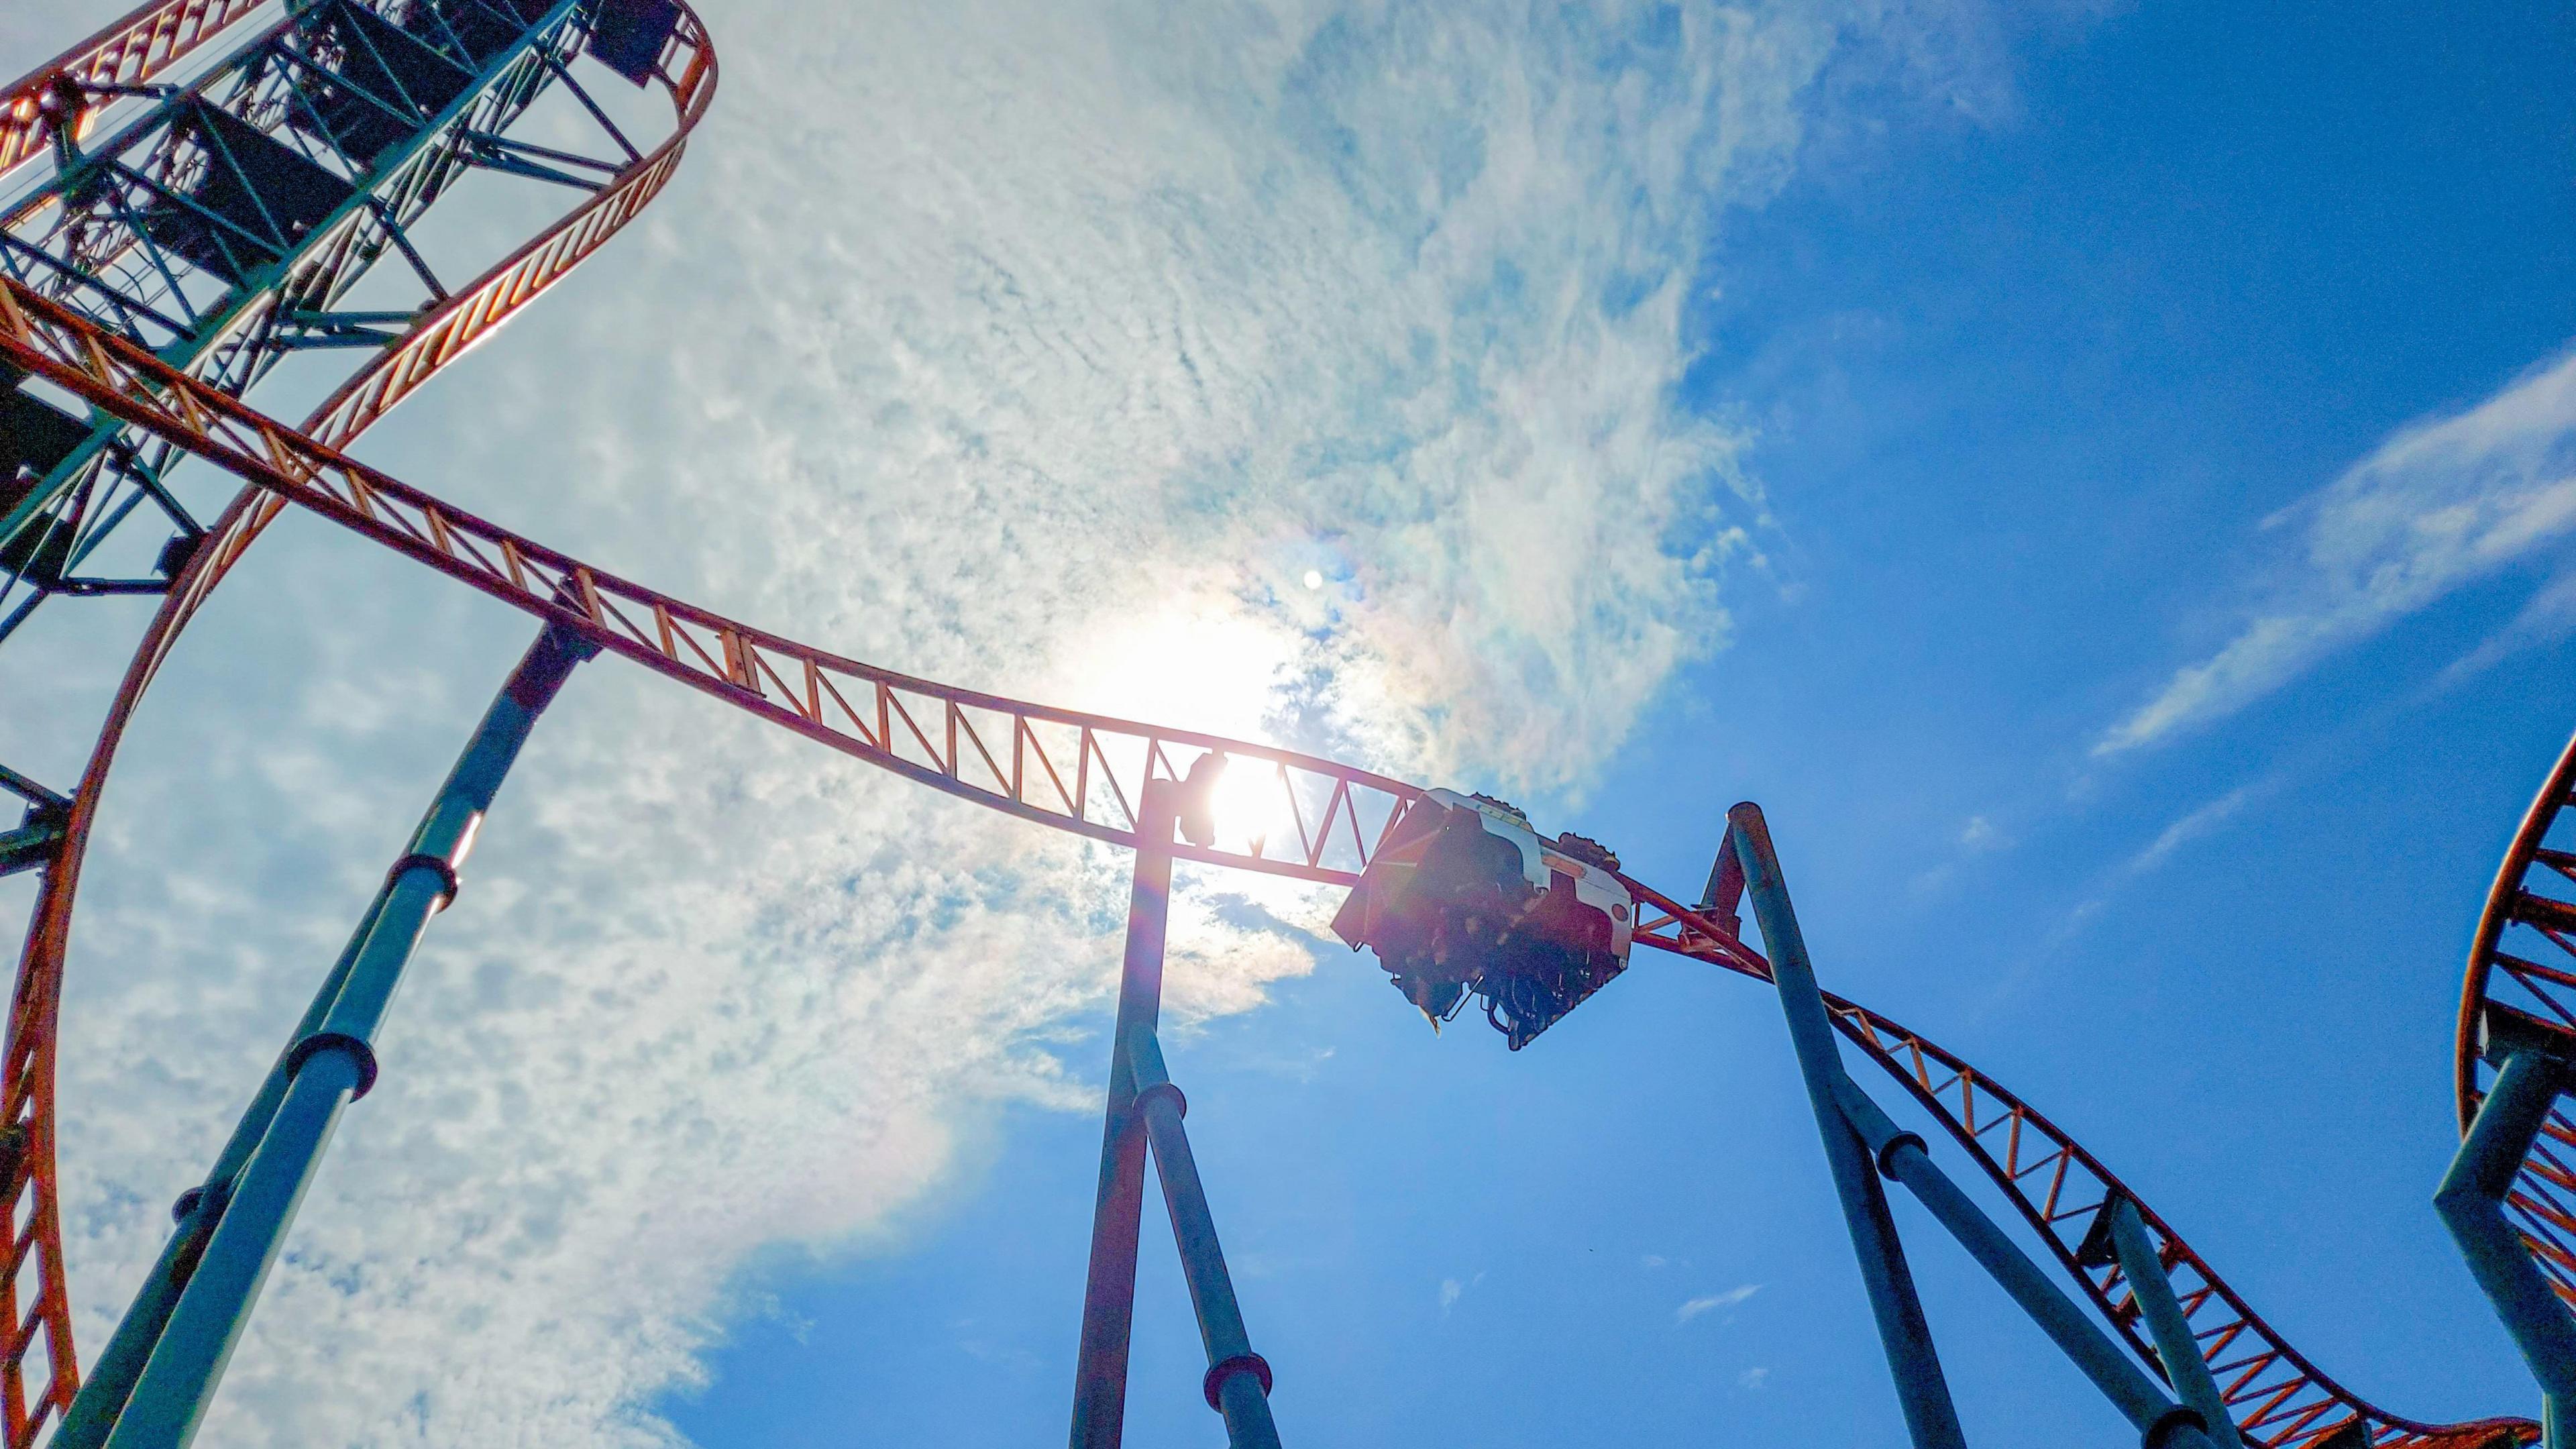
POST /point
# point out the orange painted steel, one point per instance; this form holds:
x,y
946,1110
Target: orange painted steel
x,y
1084,773
131,52
2522,965
1080,772
441,335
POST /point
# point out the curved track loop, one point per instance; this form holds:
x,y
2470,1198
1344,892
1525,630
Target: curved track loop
x,y
1081,772
131,52
2522,968
441,336
2277,1397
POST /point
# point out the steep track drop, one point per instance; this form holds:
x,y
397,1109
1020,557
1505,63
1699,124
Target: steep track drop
x,y
1082,773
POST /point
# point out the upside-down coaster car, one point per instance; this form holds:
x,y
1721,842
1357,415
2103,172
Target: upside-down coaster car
x,y
1464,897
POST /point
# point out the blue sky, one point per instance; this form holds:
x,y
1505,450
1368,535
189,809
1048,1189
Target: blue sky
x,y
2098,477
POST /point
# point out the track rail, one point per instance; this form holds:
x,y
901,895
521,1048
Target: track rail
x,y
1076,771
131,53
1084,773
2277,1397
2523,960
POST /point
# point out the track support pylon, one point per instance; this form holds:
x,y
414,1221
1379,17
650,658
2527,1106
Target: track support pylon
x,y
1856,1134
2471,1201
156,1377
1144,1108
1930,1418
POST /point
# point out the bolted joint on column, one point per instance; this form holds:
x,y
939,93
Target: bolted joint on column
x,y
1876,1129
437,865
186,1204
548,663
1242,1363
197,1212
1887,1151
1162,1091
355,1049
2180,1427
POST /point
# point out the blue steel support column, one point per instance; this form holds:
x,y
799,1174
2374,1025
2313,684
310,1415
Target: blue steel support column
x,y
2471,1202
1109,1292
2152,1291
111,1379
323,1071
1238,1380
2161,1423
1930,1418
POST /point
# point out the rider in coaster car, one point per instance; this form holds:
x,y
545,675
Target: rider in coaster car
x,y
1464,897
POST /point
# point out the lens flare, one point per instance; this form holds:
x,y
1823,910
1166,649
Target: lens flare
x,y
1251,803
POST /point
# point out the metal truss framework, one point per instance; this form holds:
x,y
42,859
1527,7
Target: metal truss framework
x,y
381,106
131,52
226,223
221,227
1088,774
2520,995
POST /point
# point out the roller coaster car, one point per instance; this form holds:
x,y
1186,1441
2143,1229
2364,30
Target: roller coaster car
x,y
1464,897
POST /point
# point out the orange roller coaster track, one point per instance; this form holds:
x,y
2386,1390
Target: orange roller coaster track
x,y
2522,982
1086,774
134,51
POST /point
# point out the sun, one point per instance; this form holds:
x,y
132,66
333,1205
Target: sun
x,y
1251,803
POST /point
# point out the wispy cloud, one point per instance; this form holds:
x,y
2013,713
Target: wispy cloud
x,y
2439,504
1713,1301
1451,1290
1752,1378
2190,826
2545,618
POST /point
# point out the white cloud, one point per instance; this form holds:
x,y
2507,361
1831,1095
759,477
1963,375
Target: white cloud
x,y
1044,348
1728,1299
2546,617
2198,822
1451,1290
1752,1378
2442,502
